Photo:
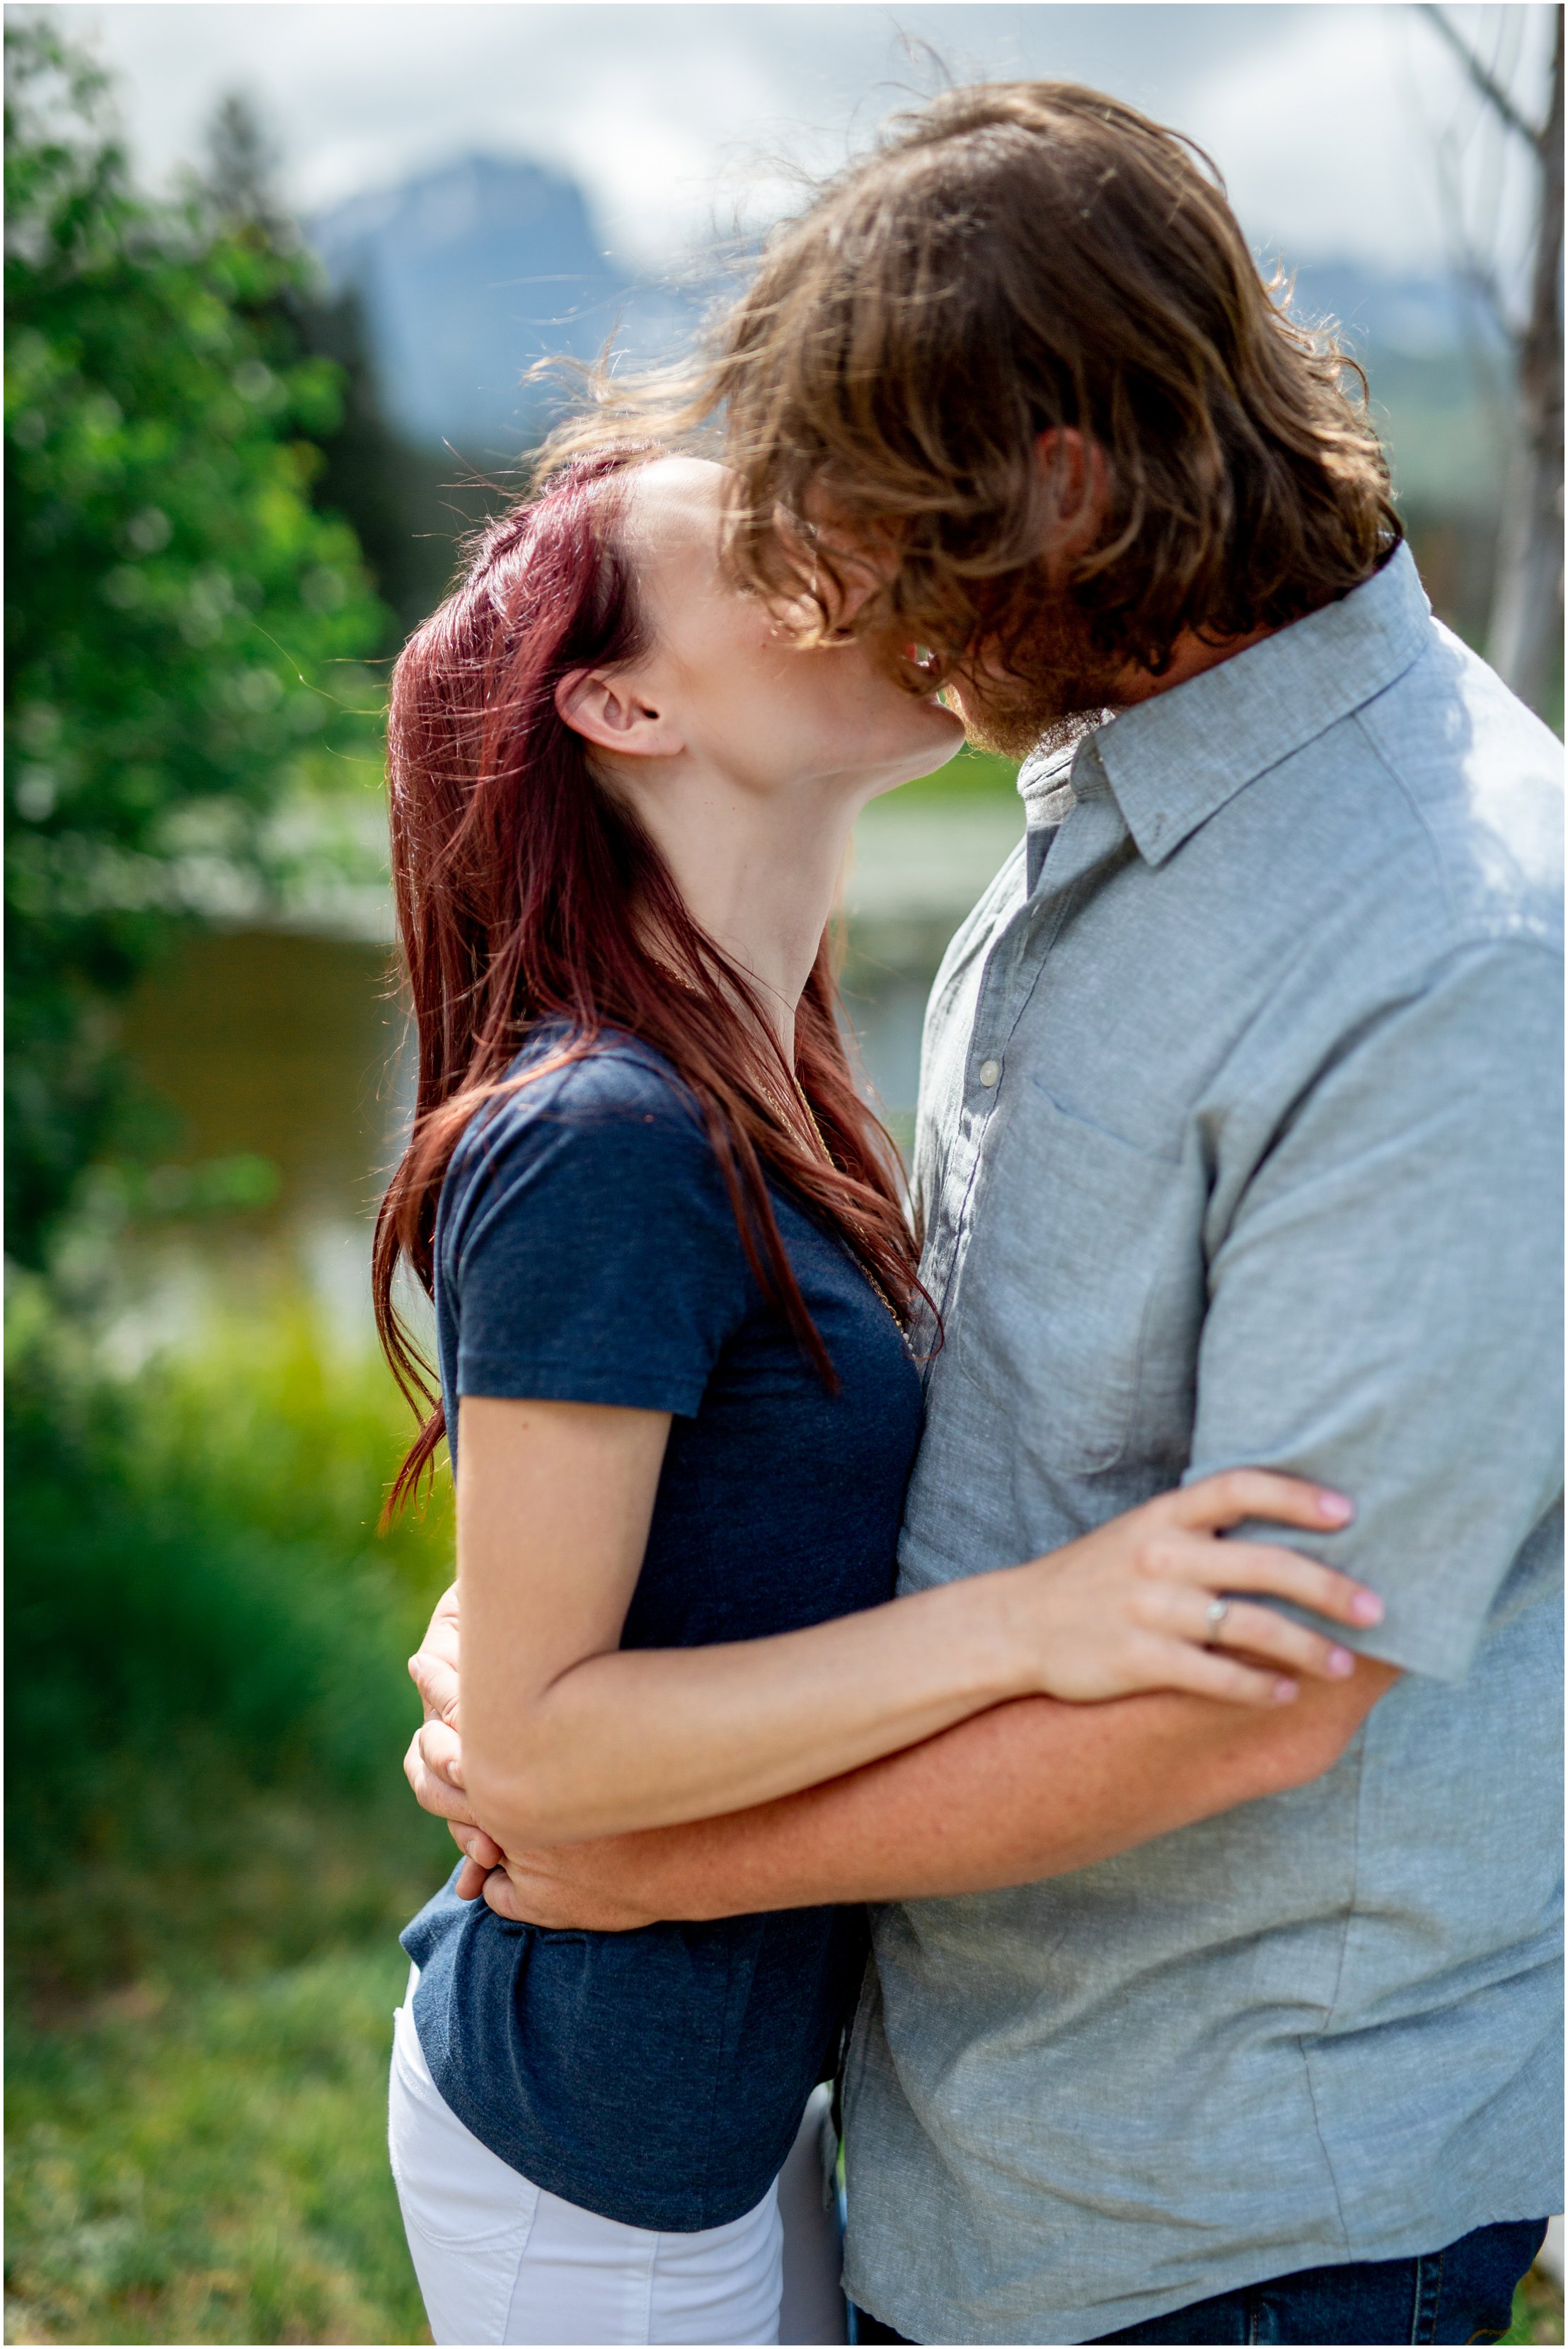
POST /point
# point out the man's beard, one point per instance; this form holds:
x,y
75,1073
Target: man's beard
x,y
1044,692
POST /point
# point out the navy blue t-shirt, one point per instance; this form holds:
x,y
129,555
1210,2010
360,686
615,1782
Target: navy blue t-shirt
x,y
586,1251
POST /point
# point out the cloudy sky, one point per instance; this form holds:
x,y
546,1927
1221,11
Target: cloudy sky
x,y
1326,120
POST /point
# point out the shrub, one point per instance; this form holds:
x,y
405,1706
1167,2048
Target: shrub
x,y
207,1639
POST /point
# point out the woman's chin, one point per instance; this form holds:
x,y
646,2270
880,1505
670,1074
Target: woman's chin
x,y
948,738
937,752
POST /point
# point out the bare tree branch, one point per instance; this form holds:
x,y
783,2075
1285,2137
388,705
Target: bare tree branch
x,y
1486,81
1524,635
1473,272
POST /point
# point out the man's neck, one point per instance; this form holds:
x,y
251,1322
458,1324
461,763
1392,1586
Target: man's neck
x,y
1084,699
1190,656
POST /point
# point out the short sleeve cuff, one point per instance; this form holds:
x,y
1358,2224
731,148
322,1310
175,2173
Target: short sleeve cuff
x,y
624,1384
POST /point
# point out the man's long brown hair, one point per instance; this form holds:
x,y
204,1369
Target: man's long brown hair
x,y
1017,258
526,892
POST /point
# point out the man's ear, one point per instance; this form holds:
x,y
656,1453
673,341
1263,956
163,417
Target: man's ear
x,y
1076,483
606,707
863,557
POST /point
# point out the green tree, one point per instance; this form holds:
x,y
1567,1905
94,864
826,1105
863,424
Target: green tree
x,y
177,611
399,500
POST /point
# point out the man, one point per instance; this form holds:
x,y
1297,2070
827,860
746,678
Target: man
x,y
1237,1143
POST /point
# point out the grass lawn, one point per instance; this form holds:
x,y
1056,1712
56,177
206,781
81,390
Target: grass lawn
x,y
211,2166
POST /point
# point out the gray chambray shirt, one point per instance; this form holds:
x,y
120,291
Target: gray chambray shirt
x,y
1238,1142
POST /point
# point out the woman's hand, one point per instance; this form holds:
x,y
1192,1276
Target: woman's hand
x,y
1142,1602
578,1885
433,1764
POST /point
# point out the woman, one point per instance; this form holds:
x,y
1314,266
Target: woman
x,y
672,1286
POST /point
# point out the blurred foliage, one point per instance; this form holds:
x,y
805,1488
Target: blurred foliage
x,y
210,1846
178,610
974,776
1537,2311
388,491
208,1698
408,506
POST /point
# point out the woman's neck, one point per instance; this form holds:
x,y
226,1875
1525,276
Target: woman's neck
x,y
758,872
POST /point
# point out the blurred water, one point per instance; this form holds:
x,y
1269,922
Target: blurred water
x,y
291,1047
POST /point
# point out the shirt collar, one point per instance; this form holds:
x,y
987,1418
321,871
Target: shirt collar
x,y
1044,786
1173,762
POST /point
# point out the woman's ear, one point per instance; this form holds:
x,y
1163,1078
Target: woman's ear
x,y
607,708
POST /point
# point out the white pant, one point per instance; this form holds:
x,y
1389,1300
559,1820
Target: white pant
x,y
499,2259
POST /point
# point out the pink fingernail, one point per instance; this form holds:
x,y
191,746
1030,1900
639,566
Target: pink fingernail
x,y
1341,1663
1284,1691
1335,1508
1366,1607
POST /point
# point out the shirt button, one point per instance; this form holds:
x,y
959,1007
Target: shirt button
x,y
989,1072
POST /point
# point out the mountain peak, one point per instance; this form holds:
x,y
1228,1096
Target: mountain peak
x,y
469,273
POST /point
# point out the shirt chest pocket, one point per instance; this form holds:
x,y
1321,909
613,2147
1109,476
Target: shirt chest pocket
x,y
1081,1299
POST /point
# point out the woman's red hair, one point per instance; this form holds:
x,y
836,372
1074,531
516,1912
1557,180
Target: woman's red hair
x,y
527,892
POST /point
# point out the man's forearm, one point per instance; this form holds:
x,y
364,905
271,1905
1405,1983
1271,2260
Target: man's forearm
x,y
1029,1790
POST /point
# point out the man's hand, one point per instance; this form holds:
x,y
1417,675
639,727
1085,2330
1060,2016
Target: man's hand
x,y
586,1887
433,1764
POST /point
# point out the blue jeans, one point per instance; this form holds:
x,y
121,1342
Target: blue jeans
x,y
1463,2293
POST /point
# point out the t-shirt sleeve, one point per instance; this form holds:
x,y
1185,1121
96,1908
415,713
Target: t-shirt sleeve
x,y
593,1254
1385,1309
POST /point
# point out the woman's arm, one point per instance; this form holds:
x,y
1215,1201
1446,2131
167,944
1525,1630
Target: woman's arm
x,y
566,1735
